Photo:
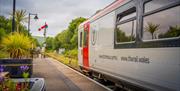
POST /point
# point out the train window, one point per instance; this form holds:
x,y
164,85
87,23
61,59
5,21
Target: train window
x,y
80,39
156,4
85,39
126,32
126,26
163,24
126,15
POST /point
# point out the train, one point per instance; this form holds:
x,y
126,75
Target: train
x,y
133,43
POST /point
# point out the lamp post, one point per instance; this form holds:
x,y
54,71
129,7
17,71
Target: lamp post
x,y
13,19
29,19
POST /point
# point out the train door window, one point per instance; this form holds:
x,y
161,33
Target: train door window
x,y
85,39
80,39
126,26
161,21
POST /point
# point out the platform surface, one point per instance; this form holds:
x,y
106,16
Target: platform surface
x,y
59,77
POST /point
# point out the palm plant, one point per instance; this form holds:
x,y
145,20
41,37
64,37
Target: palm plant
x,y
17,45
20,18
152,28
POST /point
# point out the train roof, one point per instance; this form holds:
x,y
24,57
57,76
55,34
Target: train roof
x,y
106,10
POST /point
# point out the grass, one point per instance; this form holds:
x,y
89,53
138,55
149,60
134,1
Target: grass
x,y
70,61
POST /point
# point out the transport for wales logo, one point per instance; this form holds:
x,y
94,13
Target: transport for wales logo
x,y
94,36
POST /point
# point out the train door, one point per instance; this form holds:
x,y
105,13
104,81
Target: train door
x,y
80,46
86,46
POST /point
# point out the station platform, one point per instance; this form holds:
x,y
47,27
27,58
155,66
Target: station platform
x,y
59,77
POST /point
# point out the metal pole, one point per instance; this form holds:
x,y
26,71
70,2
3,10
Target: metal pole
x,y
13,20
44,40
29,24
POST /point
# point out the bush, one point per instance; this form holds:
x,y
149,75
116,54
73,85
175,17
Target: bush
x,y
3,54
17,45
2,33
72,53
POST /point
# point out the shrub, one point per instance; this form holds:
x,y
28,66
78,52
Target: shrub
x,y
2,33
71,53
17,45
3,54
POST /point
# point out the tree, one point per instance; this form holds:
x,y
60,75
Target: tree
x,y
174,31
74,42
68,38
56,43
73,25
20,18
152,28
49,43
5,24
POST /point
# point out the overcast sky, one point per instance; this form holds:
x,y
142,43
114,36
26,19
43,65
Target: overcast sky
x,y
57,13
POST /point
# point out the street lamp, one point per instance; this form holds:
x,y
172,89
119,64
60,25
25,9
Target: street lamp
x,y
13,19
29,17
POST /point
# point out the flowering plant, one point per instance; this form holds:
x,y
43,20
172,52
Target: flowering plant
x,y
6,84
25,68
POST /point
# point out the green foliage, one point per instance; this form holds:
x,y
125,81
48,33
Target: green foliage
x,y
70,61
49,43
7,83
152,28
2,33
5,34
172,32
17,45
34,41
4,54
74,40
68,38
71,53
75,23
25,75
20,18
5,24
56,43
122,37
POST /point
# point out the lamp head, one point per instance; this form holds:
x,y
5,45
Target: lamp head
x,y
36,17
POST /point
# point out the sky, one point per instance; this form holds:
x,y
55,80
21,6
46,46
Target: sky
x,y
56,13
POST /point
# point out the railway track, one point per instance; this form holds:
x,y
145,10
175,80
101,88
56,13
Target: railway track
x,y
110,86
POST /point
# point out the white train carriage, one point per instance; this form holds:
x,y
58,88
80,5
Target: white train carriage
x,y
134,43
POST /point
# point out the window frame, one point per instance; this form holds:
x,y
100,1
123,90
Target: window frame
x,y
132,31
139,43
158,43
120,10
132,19
163,8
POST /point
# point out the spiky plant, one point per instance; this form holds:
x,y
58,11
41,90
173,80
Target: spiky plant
x,y
152,28
17,45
